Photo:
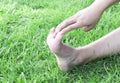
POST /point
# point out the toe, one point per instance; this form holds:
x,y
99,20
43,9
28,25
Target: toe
x,y
59,36
51,33
52,30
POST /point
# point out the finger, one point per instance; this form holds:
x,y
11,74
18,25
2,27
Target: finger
x,y
65,24
69,28
88,28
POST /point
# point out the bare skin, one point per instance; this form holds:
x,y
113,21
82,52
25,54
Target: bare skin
x,y
68,56
65,54
86,18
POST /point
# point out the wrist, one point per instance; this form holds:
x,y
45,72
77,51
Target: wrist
x,y
102,5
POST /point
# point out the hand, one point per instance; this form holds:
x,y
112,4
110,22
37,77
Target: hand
x,y
86,18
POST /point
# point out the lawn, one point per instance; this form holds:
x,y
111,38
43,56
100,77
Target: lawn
x,y
25,56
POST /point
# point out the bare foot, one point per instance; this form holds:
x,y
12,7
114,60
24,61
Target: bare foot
x,y
67,57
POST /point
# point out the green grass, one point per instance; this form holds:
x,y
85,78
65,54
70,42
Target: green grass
x,y
25,56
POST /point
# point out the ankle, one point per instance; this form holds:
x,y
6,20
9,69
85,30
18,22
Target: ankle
x,y
85,54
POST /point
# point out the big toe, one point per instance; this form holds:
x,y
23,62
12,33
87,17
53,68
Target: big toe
x,y
51,33
59,36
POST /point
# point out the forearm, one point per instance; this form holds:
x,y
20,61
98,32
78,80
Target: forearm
x,y
102,5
